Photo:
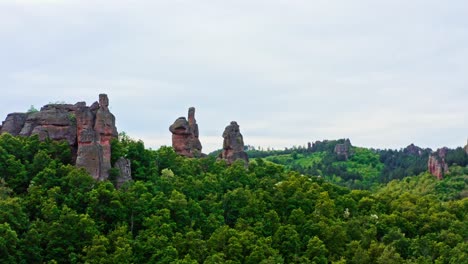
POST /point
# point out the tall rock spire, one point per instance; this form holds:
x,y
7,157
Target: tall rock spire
x,y
437,165
233,145
185,136
96,129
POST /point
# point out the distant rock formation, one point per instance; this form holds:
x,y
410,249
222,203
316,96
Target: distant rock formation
x,y
87,129
436,163
466,147
344,149
125,172
233,145
413,150
185,136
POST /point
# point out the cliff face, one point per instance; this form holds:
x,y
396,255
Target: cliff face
x,y
233,145
436,163
185,136
87,129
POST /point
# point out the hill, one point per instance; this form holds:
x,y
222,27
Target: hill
x,y
186,210
339,162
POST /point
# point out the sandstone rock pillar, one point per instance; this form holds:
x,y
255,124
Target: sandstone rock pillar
x,y
233,145
185,136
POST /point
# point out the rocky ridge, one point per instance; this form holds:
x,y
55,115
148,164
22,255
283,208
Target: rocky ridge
x,y
87,129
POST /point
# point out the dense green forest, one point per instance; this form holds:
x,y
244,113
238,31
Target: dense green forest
x,y
181,210
365,169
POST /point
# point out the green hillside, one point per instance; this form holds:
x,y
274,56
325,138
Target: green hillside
x,y
181,210
362,168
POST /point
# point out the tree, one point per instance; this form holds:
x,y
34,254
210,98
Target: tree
x,y
8,244
287,241
316,251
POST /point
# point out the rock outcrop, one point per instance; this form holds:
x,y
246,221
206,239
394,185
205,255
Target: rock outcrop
x,y
96,128
13,123
233,145
436,163
466,147
413,150
87,129
343,150
124,167
185,136
54,121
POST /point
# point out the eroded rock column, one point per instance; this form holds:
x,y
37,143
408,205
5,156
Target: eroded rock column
x,y
185,134
233,144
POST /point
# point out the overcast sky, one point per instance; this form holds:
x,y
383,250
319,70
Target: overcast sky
x,y
382,73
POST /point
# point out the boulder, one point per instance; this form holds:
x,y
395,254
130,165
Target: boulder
x,y
185,133
233,145
13,123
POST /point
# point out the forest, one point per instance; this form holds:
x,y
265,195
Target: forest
x,y
377,206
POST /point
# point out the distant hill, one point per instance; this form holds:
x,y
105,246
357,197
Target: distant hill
x,y
339,162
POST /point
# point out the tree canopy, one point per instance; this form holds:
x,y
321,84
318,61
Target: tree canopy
x,y
181,210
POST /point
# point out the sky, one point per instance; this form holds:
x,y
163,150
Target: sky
x,y
384,74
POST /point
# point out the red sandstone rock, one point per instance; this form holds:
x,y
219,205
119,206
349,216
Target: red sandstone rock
x,y
88,131
436,163
13,123
185,136
96,128
53,121
233,144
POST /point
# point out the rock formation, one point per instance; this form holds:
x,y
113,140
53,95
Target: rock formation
x,y
96,128
125,172
13,123
466,147
87,129
343,150
233,145
413,150
436,163
185,136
